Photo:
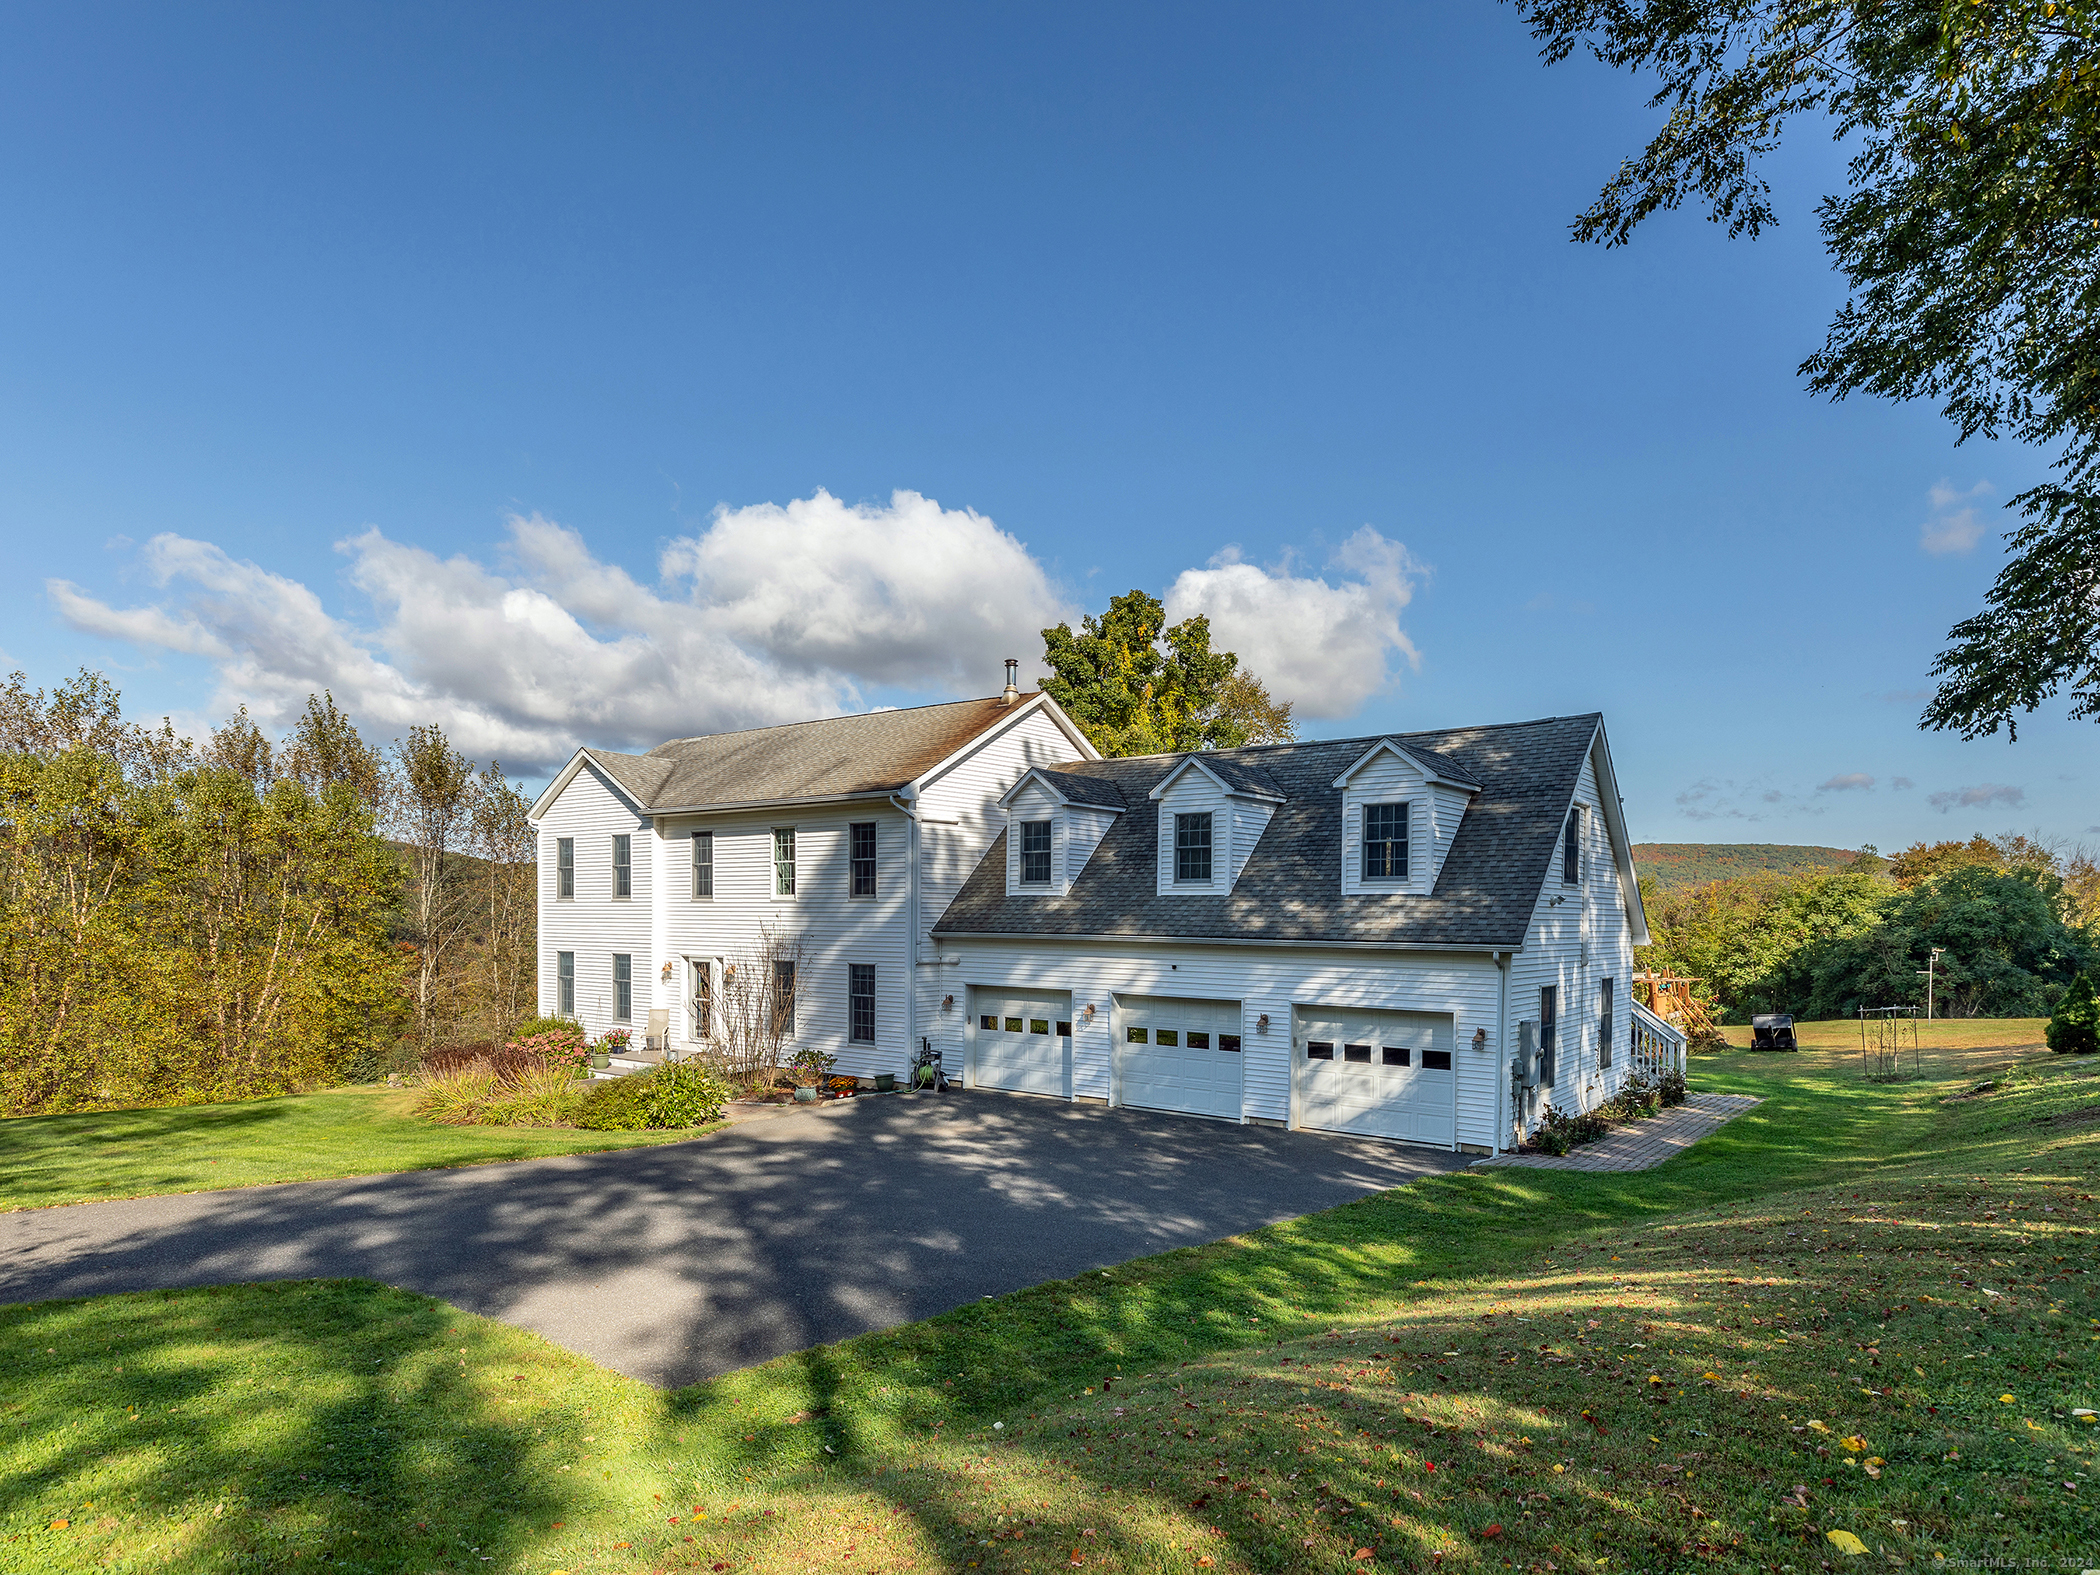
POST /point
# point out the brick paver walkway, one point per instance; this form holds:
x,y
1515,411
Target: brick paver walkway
x,y
1643,1144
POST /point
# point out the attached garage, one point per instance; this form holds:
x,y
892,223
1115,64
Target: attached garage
x,y
1022,1041
1376,1074
1180,1055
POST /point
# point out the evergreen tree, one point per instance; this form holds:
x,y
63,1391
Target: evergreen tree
x,y
2074,1027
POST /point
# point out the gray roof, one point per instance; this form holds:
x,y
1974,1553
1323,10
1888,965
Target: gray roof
x,y
1084,789
1241,775
1290,888
877,752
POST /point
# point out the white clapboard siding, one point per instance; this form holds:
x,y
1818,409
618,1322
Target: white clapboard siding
x,y
1264,980
1081,833
963,819
833,927
593,924
1572,944
1250,818
1194,793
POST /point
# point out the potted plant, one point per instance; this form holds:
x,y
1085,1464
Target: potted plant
x,y
885,1082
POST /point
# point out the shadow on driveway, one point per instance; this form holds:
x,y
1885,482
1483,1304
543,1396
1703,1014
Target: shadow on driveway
x,y
682,1262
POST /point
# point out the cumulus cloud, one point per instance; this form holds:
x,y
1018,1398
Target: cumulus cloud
x,y
1850,781
767,615
1326,645
1981,796
1954,526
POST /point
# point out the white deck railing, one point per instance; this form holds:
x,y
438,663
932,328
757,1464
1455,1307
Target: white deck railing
x,y
1658,1045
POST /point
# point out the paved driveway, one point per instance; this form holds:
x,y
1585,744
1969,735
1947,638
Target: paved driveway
x,y
677,1263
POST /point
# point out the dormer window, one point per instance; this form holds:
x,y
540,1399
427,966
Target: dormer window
x,y
1192,848
1035,852
1385,842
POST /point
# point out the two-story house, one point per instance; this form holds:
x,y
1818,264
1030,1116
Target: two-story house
x,y
1421,936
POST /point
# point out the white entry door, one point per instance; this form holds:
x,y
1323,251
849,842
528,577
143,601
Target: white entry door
x,y
1183,1055
1378,1074
1023,1041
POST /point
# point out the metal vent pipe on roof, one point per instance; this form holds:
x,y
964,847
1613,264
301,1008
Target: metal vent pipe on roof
x,y
1013,669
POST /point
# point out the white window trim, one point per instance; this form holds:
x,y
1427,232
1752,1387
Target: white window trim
x,y
1021,880
1363,844
612,867
794,863
1191,883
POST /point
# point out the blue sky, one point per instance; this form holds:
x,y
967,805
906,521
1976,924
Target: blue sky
x,y
555,374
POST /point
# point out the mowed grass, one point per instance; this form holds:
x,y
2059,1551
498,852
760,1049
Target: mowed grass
x,y
1810,1323
102,1154
1946,1046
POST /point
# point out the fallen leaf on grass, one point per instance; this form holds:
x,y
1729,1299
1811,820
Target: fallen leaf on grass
x,y
2006,1400
60,1525
1846,1543
1853,1442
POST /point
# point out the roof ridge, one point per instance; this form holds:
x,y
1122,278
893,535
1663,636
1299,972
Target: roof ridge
x,y
1365,739
844,716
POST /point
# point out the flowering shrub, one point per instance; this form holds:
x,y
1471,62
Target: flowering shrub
x,y
563,1045
614,1041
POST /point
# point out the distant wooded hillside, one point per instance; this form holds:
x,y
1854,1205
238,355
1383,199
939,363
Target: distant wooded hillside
x,y
1679,864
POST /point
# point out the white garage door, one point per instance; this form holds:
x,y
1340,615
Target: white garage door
x,y
1024,1040
1381,1074
1180,1055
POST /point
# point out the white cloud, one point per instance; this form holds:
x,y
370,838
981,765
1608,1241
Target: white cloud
x,y
1848,782
768,615
1901,783
1954,526
1978,797
1325,646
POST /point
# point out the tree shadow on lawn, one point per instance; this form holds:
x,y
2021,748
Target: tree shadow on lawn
x,y
280,1426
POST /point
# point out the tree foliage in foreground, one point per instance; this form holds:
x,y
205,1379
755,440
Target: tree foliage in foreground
x,y
182,923
1136,686
1969,232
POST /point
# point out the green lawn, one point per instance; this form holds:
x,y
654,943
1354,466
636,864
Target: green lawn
x,y
1872,1293
303,1137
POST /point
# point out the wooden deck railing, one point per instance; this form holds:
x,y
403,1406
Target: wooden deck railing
x,y
1657,1046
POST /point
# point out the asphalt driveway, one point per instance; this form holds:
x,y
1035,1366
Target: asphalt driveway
x,y
677,1263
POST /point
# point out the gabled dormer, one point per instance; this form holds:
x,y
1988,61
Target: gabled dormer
x,y
1211,813
1054,821
1400,810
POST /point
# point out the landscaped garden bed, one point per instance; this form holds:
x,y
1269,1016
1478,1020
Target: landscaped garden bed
x,y
1641,1098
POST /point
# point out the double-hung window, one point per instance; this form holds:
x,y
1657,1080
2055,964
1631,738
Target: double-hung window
x,y
703,864
565,982
1192,848
1385,842
1549,1034
1604,1005
623,867
564,866
1035,852
784,998
703,1001
860,1003
861,857
1571,849
784,861
623,987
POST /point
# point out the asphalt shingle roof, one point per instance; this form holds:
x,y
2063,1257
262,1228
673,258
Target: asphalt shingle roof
x,y
1084,789
1291,888
880,751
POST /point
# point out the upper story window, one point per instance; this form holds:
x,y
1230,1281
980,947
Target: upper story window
x,y
564,866
1035,852
1192,847
703,864
1385,842
862,857
1571,848
623,866
784,861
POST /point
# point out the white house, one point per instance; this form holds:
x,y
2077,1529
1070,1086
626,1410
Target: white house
x,y
1421,936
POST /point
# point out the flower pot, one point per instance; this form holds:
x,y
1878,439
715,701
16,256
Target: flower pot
x,y
600,1059
885,1081
805,1096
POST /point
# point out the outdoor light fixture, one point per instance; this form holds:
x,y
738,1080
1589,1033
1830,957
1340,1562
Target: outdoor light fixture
x,y
1261,1023
667,973
1087,1011
947,1003
1480,1039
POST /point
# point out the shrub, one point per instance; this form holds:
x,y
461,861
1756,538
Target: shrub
x,y
2074,1027
1583,1127
554,1040
457,1098
811,1065
539,1096
442,1059
1550,1139
678,1094
1673,1088
533,1027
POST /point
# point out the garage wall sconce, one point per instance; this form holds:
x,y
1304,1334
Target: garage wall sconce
x,y
667,973
1087,1011
1480,1039
947,1003
1261,1023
